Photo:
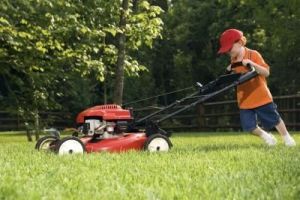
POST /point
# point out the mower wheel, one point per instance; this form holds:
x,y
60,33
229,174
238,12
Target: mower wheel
x,y
70,145
157,142
46,142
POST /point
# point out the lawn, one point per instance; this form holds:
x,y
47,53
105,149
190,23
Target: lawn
x,y
200,166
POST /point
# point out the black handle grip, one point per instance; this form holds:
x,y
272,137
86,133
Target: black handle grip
x,y
250,67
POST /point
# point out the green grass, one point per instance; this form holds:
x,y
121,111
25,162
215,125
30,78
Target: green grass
x,y
200,166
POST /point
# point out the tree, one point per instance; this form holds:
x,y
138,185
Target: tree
x,y
187,52
119,80
46,45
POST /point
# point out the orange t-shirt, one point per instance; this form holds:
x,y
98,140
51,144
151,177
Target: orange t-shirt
x,y
255,92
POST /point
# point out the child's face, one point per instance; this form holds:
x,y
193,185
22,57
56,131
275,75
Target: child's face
x,y
235,50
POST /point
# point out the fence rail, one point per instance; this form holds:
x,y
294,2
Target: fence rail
x,y
224,115
210,116
13,122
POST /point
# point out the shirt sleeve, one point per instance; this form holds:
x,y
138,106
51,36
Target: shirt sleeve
x,y
258,59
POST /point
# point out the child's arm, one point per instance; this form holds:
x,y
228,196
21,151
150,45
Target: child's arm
x,y
259,69
228,69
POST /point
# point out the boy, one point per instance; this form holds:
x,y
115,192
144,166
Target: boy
x,y
254,98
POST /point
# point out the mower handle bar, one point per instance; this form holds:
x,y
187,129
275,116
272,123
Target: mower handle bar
x,y
243,78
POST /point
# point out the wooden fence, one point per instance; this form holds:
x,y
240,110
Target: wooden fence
x,y
13,122
224,115
210,116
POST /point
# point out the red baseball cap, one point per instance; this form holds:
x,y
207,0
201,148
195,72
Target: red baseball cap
x,y
228,38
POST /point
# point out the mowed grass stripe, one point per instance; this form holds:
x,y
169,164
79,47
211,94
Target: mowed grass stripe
x,y
200,166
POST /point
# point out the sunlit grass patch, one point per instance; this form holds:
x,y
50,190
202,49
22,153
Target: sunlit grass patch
x,y
200,166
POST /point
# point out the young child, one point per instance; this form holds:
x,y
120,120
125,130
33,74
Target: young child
x,y
254,98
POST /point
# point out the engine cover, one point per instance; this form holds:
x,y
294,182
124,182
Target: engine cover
x,y
110,112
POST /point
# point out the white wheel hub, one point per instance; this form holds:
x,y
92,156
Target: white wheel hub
x,y
158,144
45,145
70,147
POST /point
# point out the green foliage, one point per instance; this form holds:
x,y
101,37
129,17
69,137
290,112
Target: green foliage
x,y
188,51
49,49
56,54
200,166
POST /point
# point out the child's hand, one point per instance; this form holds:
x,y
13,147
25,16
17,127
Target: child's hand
x,y
247,61
259,69
228,68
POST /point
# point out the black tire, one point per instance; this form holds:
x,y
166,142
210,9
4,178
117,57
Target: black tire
x,y
70,145
46,143
163,132
157,142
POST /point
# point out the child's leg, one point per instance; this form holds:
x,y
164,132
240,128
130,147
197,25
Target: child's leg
x,y
258,131
270,118
249,124
281,128
268,138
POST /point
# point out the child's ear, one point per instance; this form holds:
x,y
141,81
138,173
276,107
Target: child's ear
x,y
241,42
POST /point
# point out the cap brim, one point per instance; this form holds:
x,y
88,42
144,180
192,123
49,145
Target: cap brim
x,y
224,49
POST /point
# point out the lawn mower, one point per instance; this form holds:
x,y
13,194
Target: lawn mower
x,y
111,128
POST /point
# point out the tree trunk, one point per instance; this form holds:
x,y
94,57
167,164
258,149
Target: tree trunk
x,y
28,134
119,80
135,4
36,124
105,91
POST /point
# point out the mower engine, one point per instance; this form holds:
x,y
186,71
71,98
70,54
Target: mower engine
x,y
103,121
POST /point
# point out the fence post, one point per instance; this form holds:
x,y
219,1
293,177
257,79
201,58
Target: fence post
x,y
36,124
28,133
201,119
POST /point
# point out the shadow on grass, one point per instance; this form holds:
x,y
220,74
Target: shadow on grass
x,y
214,134
208,134
223,147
